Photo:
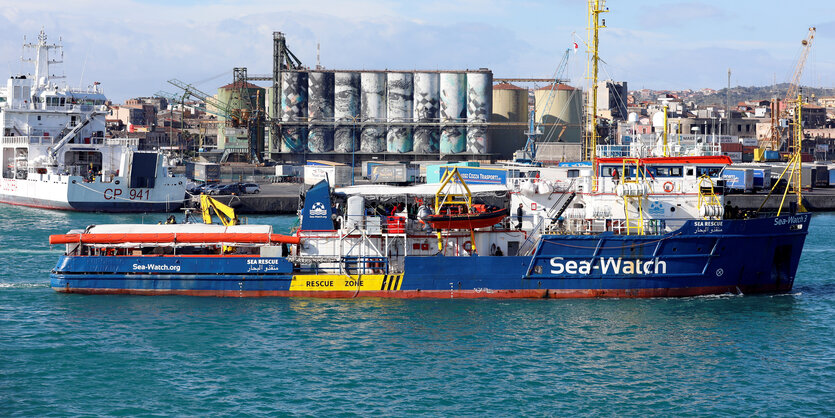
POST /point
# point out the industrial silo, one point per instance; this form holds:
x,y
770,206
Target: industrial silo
x,y
427,109
479,100
510,105
294,109
453,109
242,100
399,95
561,116
373,111
347,109
320,102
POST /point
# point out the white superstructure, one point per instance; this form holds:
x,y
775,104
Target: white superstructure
x,y
55,154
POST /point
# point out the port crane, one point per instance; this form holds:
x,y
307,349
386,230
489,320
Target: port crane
x,y
774,140
246,115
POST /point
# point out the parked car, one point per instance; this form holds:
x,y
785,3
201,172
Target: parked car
x,y
251,188
201,188
210,188
233,188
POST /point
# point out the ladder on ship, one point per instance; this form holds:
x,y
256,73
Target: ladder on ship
x,y
562,210
633,190
529,244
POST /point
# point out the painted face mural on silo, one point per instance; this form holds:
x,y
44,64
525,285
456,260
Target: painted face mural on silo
x,y
427,109
453,109
479,97
373,110
346,108
294,109
399,91
320,109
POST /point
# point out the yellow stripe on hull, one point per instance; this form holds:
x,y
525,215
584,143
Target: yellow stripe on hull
x,y
344,282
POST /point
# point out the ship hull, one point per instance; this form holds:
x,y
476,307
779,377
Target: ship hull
x,y
701,258
105,207
71,193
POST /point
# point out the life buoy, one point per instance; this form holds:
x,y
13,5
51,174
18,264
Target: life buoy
x,y
468,246
668,187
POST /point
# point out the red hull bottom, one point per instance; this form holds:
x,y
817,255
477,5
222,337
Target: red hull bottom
x,y
451,294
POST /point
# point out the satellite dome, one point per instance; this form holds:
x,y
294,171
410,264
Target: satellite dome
x,y
658,119
632,117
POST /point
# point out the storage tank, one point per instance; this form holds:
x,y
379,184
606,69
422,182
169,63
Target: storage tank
x,y
373,109
294,109
320,90
565,109
510,105
355,212
427,109
453,109
346,108
479,100
399,101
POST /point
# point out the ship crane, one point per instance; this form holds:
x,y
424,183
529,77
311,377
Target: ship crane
x,y
53,152
773,140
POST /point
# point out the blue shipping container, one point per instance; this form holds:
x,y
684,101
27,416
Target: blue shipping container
x,y
772,155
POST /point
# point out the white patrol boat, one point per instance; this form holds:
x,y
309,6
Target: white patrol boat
x,y
55,154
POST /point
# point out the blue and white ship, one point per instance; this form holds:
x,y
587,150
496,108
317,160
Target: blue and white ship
x,y
657,229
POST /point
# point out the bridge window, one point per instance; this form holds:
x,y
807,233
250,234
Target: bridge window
x,y
668,171
710,171
606,171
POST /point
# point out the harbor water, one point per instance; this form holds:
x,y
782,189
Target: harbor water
x,y
71,354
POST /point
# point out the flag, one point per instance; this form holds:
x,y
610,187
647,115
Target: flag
x,y
576,47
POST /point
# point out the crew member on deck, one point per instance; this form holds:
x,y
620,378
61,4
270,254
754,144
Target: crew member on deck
x,y
519,213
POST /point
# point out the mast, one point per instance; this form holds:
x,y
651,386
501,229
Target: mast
x,y
596,7
797,157
42,61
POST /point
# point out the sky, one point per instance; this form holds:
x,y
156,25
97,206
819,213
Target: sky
x,y
132,47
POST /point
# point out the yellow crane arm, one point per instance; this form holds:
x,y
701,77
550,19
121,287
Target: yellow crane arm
x,y
225,213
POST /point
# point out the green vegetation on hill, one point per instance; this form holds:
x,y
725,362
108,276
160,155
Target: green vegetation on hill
x,y
753,93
